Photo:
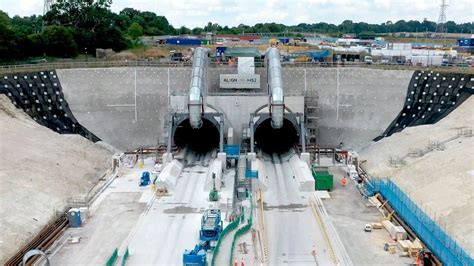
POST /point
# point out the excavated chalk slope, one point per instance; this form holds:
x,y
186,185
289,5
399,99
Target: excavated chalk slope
x,y
442,180
39,170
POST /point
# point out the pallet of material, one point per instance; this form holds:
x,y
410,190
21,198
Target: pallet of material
x,y
375,202
414,248
404,245
396,232
376,225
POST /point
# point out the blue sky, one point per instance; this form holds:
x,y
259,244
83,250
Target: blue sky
x,y
192,13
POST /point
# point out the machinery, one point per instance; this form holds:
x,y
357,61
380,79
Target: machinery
x,y
213,194
195,257
145,179
211,226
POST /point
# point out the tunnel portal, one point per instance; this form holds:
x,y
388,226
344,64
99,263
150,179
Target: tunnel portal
x,y
201,140
272,140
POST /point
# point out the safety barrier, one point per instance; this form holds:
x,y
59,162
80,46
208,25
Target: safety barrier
x,y
241,231
125,257
112,258
438,241
230,227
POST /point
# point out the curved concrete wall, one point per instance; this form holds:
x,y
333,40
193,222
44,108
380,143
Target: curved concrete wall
x,y
126,107
356,104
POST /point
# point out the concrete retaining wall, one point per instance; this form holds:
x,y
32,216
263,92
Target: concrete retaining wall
x,y
126,107
355,104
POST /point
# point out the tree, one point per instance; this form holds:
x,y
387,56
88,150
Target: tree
x,y
135,31
8,47
90,21
59,41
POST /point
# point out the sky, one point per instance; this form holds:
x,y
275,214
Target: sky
x,y
197,13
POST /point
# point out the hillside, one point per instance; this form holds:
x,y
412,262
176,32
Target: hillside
x,y
442,180
39,170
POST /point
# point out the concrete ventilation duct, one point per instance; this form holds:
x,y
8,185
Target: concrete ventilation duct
x,y
275,84
197,86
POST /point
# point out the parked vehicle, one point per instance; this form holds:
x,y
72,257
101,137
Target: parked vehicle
x,y
368,59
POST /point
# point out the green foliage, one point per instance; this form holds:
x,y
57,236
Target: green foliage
x,y
59,42
135,31
93,25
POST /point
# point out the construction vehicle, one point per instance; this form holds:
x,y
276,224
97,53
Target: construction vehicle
x,y
213,194
195,257
211,227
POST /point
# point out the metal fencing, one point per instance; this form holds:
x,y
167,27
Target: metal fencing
x,y
23,68
429,231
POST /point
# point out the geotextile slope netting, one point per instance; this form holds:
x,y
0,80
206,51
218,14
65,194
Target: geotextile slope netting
x,y
40,95
431,96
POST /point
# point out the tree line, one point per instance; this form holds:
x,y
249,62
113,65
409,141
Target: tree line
x,y
75,27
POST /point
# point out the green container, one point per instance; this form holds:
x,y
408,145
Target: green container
x,y
323,179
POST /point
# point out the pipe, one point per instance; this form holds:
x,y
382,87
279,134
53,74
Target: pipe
x,y
302,134
275,84
197,86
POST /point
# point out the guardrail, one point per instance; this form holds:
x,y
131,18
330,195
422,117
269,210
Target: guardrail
x,y
230,227
112,258
6,69
429,231
242,230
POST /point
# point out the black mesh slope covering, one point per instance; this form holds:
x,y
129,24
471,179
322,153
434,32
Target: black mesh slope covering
x,y
431,96
39,94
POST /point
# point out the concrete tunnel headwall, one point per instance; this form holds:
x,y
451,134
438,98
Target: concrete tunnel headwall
x,y
199,140
276,140
127,106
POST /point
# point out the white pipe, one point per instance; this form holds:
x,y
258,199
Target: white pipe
x,y
197,86
275,83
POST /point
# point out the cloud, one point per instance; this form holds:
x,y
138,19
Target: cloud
x,y
193,13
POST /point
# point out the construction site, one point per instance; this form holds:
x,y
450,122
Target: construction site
x,y
242,164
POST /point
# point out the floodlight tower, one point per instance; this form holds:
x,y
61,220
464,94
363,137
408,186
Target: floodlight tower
x,y
47,5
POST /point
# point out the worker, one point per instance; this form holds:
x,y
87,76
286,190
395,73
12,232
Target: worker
x,y
343,181
313,251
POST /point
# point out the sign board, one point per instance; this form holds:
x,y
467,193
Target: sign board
x,y
236,81
246,65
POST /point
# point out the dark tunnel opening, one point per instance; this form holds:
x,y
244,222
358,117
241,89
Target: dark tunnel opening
x,y
201,140
272,140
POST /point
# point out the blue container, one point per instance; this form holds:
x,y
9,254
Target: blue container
x,y
466,42
183,41
232,151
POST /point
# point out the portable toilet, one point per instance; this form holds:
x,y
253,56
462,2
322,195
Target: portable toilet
x,y
74,217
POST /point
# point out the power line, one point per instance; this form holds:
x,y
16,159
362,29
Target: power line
x,y
47,6
441,26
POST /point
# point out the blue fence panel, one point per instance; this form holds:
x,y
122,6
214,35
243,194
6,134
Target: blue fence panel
x,y
438,241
